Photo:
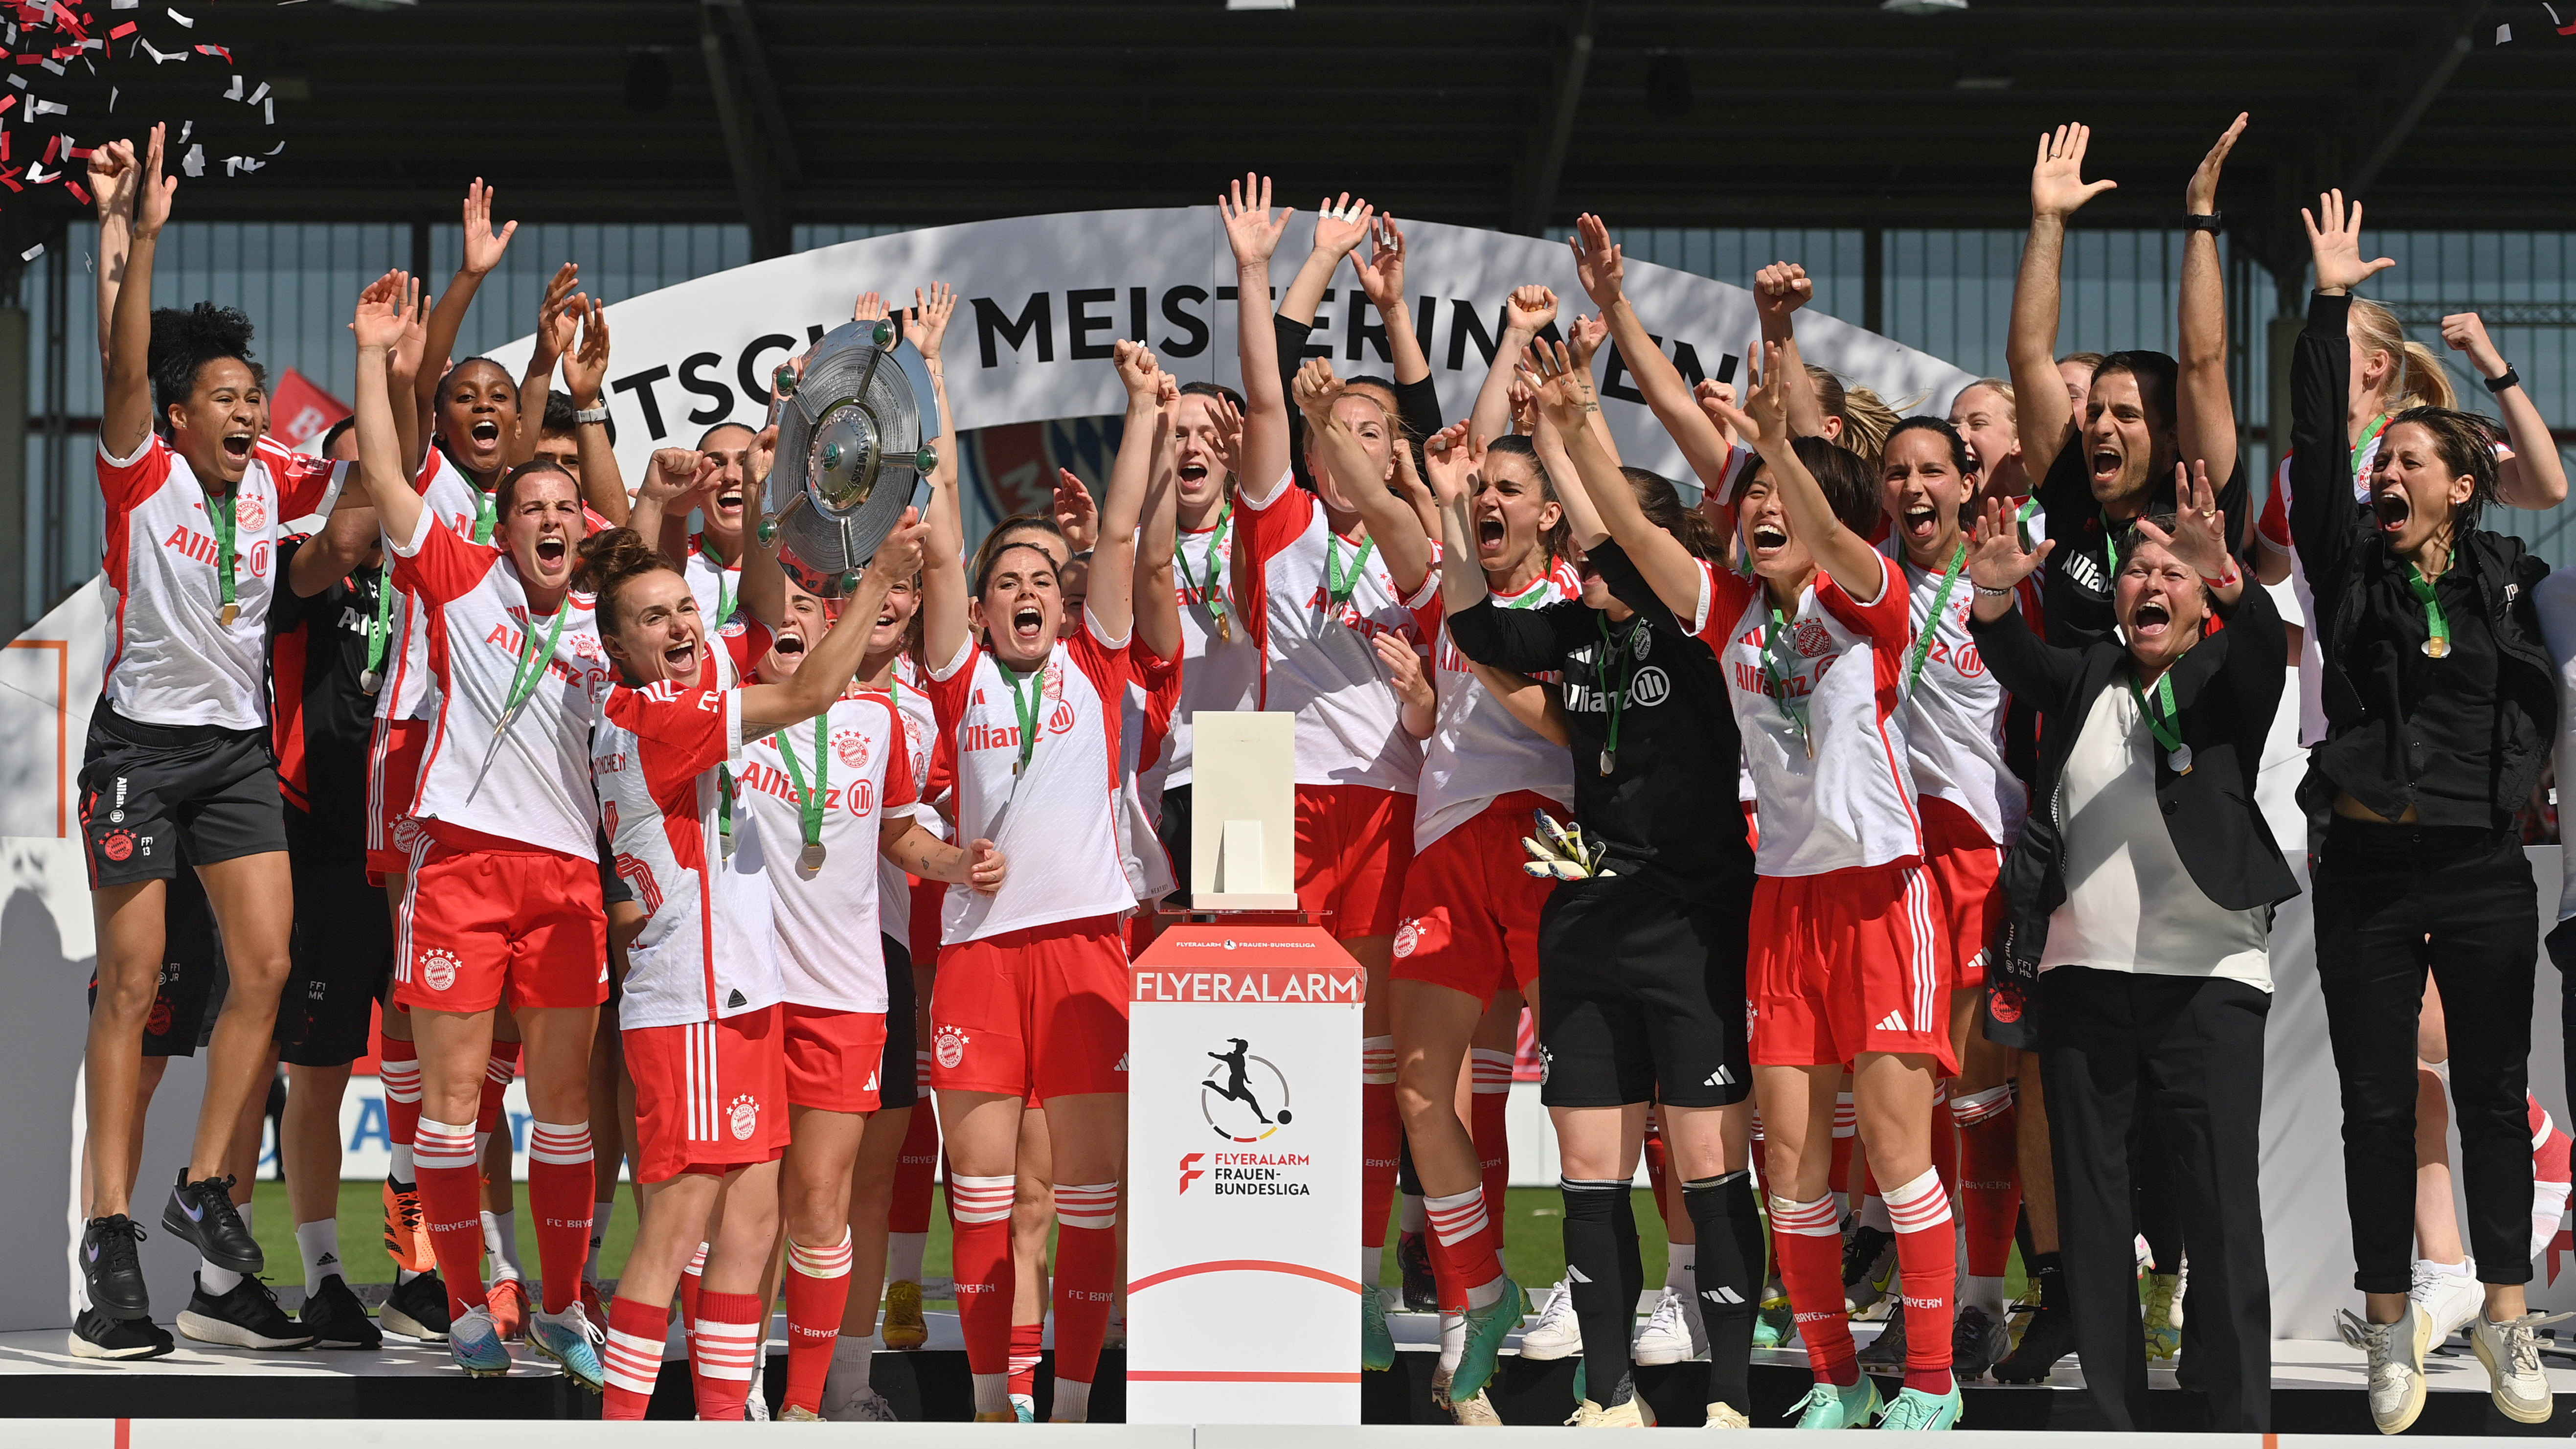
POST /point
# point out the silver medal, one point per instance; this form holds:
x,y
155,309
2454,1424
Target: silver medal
x,y
369,681
2180,758
811,858
1605,762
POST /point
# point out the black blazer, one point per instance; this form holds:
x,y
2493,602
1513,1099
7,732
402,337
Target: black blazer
x,y
2226,690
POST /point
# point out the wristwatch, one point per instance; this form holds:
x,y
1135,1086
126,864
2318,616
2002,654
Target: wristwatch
x,y
2207,223
2503,380
591,415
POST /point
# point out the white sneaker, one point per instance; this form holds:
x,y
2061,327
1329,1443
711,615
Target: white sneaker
x,y
848,1397
2396,1358
1556,1334
2512,1356
2451,1300
1672,1333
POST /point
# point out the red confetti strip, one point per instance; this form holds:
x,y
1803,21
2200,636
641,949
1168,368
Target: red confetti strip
x,y
78,194
122,31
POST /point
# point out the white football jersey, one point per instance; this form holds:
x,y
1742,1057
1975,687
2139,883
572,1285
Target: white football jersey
x,y
827,956
1477,750
1954,707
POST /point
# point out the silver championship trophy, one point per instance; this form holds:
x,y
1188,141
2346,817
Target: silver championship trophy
x,y
853,452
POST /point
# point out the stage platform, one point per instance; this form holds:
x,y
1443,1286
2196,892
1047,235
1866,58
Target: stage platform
x,y
2316,1387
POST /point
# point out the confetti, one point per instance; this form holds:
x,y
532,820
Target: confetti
x,y
236,92
33,252
2504,35
78,194
268,109
124,4
183,20
280,146
111,100
259,95
194,163
122,31
184,128
37,106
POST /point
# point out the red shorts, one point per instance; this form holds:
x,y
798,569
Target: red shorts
x,y
833,1056
484,914
1353,843
710,1096
1470,911
393,777
1844,963
1034,1013
1967,874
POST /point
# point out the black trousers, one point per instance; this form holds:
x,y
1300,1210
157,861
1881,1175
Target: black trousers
x,y
2393,901
2120,1051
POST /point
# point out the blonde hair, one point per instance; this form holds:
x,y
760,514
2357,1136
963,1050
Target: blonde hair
x,y
1999,386
2418,378
1867,420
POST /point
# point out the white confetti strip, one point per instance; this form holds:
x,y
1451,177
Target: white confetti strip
x,y
194,163
183,20
236,92
33,252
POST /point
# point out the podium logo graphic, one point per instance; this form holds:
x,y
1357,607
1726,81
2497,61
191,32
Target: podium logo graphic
x,y
1190,1169
1245,1098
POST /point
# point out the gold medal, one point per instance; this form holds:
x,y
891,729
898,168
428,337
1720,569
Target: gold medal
x,y
227,614
2437,647
1224,629
811,858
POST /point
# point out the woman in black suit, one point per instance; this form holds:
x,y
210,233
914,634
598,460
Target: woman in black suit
x,y
2142,891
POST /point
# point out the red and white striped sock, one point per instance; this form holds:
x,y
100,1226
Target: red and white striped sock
x,y
398,1070
1086,1270
1381,1141
500,1069
451,1190
1927,1261
723,1351
692,1278
1989,1190
632,1357
1810,1241
560,1178
979,1209
818,1290
1488,1111
1462,1250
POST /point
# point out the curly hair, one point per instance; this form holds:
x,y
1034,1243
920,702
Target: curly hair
x,y
610,560
184,340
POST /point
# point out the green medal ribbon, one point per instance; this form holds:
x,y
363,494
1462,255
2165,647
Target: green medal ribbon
x,y
1026,701
2159,714
2369,436
486,512
225,558
1932,625
811,807
1338,585
1208,592
380,633
533,661
2111,543
2437,628
2021,519
1775,636
724,596
1529,598
1613,701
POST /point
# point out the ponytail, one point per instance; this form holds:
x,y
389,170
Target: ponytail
x,y
2416,377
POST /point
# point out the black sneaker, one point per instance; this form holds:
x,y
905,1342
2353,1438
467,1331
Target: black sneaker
x,y
1977,1339
247,1317
202,1214
2050,1337
1867,1260
336,1319
96,1335
111,1269
417,1309
1413,1260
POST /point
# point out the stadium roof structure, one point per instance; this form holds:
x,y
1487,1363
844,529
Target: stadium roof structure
x,y
1506,113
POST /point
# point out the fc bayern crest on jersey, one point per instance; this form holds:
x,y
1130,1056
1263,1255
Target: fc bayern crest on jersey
x,y
1054,686
852,746
1407,936
1812,640
743,1117
250,510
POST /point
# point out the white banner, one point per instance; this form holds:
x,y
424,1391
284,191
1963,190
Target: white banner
x,y
1043,298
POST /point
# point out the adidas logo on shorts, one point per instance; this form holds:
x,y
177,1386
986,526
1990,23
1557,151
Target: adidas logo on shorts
x,y
1719,1078
1895,1022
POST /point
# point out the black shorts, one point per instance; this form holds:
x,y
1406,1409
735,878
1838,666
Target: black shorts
x,y
343,952
1174,827
193,978
1641,997
148,791
898,1082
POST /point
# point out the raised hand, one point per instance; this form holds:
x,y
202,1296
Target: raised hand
x,y
1529,309
2199,536
153,190
1340,225
763,456
585,370
1996,559
1453,455
1229,432
1562,390
868,308
1714,399
1249,227
378,321
1382,273
1584,337
927,320
404,363
484,246
673,475
113,172
2200,197
1317,390
1597,262
1780,289
2466,332
1763,422
1403,670
1077,517
2057,184
2336,244
899,557
556,323
1524,404
1138,370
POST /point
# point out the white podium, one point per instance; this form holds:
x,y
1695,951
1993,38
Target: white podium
x,y
1243,1181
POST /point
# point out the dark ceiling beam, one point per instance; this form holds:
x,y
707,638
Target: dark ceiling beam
x,y
756,176
766,92
1543,162
2428,89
